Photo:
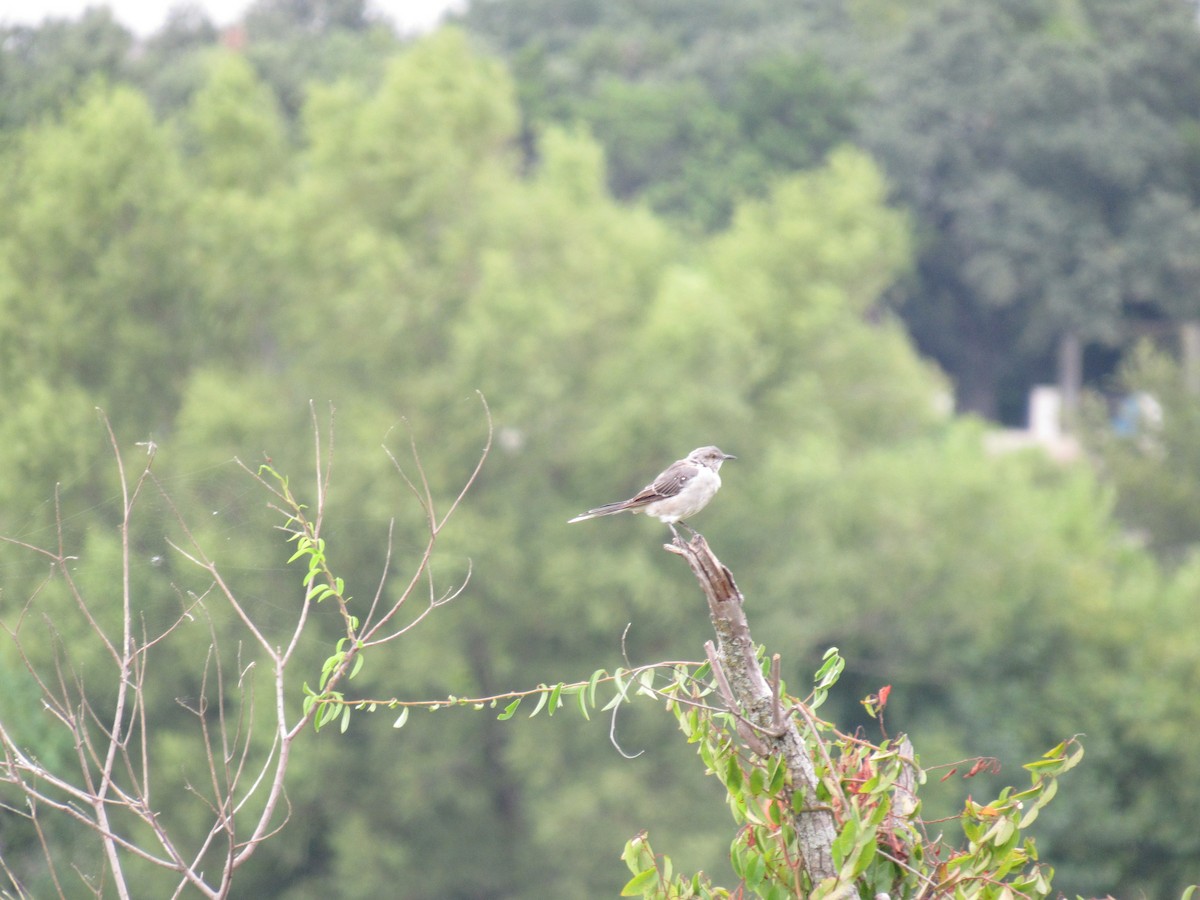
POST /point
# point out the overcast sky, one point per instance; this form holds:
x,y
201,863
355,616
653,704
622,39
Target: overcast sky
x,y
145,16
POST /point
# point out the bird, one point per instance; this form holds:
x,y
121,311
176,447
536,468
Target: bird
x,y
680,491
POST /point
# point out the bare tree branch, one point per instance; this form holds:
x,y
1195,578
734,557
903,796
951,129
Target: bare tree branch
x,y
747,693
111,789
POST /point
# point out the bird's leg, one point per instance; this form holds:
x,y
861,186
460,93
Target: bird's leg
x,y
688,527
674,533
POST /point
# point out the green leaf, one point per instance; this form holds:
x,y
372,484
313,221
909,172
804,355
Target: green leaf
x,y
542,697
755,869
843,844
798,801
401,719
345,718
866,855
581,696
638,854
592,682
509,710
640,883
618,677
737,859
830,670
778,774
775,814
733,774
758,778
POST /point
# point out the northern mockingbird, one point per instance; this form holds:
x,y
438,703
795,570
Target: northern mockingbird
x,y
679,492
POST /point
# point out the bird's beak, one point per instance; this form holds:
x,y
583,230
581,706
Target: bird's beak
x,y
730,456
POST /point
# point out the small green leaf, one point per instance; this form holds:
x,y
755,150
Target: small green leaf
x,y
867,846
775,814
830,670
619,681
733,774
778,774
583,705
737,859
755,870
542,697
509,710
401,719
757,780
345,718
591,688
843,844
640,883
637,853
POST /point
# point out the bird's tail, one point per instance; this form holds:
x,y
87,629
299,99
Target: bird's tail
x,y
607,509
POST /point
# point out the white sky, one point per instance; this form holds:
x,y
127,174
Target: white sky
x,y
145,16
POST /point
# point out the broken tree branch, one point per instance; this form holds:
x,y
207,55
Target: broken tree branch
x,y
752,699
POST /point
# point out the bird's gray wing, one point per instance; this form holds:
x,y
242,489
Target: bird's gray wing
x,y
667,484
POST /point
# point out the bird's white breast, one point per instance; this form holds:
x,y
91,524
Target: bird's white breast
x,y
689,501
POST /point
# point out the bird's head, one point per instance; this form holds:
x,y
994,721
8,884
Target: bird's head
x,y
710,456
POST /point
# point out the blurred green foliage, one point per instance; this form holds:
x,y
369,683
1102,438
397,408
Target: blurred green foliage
x,y
1152,455
381,242
1046,150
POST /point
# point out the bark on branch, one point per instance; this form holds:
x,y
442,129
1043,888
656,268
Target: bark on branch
x,y
747,693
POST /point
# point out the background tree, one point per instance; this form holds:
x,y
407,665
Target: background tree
x,y
1150,456
46,67
996,123
686,127
1037,160
95,207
